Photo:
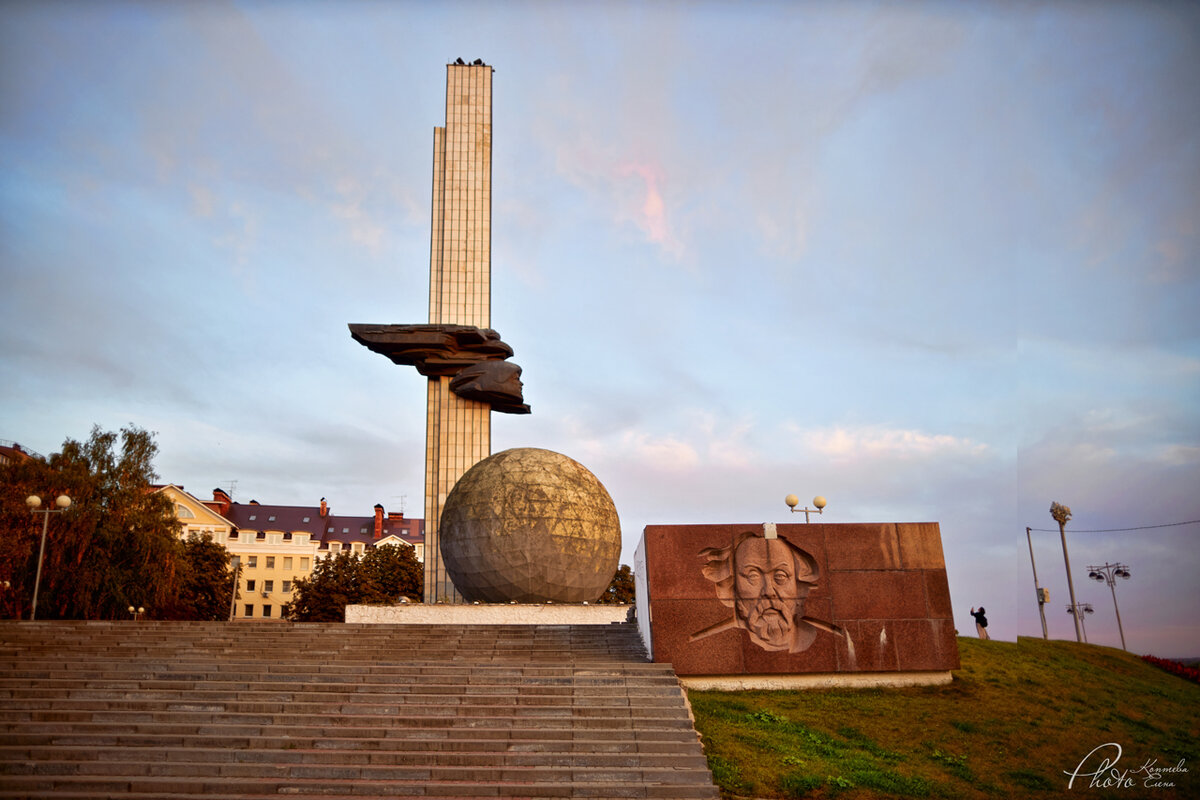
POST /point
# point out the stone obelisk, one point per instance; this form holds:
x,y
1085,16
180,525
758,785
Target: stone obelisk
x,y
458,431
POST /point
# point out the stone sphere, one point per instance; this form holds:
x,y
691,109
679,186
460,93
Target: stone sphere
x,y
532,526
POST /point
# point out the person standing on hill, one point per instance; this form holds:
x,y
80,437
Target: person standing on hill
x,y
980,621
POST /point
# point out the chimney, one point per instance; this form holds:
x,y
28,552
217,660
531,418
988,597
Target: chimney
x,y
324,508
223,501
378,521
395,516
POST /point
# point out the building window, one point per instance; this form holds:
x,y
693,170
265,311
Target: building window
x,y
335,547
357,547
249,609
287,537
304,564
363,529
250,585
252,561
260,535
330,530
287,562
270,562
266,611
345,530
287,587
233,534
268,586
271,518
306,519
253,517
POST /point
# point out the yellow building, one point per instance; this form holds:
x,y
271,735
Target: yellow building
x,y
276,545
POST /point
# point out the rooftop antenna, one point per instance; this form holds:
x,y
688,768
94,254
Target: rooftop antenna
x,y
232,484
403,500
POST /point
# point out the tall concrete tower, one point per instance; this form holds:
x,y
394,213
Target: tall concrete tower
x,y
463,358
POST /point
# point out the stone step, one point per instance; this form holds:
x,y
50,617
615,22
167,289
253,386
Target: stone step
x,y
192,756
377,693
610,709
477,740
86,787
192,710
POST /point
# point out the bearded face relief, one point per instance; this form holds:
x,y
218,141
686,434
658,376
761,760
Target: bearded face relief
x,y
766,582
767,598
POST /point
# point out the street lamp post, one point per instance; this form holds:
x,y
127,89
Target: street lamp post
x,y
136,612
34,502
236,563
1040,596
793,501
1077,610
1061,514
1110,573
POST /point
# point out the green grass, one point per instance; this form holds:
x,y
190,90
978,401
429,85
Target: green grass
x,y
1013,720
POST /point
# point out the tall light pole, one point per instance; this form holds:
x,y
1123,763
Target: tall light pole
x,y
1061,514
1041,599
793,501
1110,573
1077,610
236,563
34,502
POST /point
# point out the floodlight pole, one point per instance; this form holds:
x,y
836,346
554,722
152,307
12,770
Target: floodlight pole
x,y
1061,514
1036,588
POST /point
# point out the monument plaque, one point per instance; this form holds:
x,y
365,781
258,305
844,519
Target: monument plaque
x,y
850,602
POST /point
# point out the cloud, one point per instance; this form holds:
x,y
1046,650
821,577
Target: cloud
x,y
644,205
363,229
875,442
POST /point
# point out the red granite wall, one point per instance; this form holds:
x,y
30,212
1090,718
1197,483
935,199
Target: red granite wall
x,y
819,598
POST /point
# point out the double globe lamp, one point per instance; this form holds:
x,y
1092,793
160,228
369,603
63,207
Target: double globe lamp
x,y
35,505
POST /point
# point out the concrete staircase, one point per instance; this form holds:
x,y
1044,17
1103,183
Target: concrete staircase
x,y
216,710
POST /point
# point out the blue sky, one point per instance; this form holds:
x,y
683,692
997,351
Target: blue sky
x,y
934,261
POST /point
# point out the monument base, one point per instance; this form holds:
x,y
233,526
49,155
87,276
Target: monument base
x,y
843,680
490,614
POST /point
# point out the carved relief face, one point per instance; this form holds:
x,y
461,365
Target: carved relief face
x,y
768,598
497,383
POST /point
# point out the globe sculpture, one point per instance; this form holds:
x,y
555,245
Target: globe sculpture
x,y
530,526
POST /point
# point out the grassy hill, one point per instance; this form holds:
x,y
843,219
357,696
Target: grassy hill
x,y
1014,719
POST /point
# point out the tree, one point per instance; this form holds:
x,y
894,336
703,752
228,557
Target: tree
x,y
380,575
117,545
620,590
390,572
206,582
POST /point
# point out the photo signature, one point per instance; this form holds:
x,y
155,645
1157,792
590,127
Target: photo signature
x,y
1106,775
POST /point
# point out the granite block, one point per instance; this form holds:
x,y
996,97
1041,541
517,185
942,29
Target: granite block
x,y
878,594
920,545
864,547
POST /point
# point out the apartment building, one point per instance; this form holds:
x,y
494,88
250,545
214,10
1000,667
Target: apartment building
x,y
276,545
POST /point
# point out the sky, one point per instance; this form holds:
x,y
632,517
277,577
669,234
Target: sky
x,y
933,261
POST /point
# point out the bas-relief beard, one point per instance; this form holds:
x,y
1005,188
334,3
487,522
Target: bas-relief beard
x,y
775,623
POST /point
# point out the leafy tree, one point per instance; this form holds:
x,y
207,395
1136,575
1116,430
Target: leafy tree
x,y
380,575
206,581
621,588
117,545
390,572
